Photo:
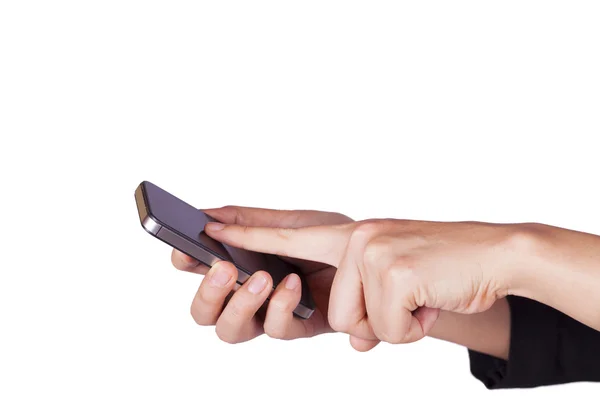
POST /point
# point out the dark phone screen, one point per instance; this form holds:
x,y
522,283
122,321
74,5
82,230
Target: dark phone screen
x,y
189,222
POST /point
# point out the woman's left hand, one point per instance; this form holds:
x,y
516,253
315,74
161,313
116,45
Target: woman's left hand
x,y
239,315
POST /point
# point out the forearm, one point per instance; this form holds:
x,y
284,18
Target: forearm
x,y
487,332
554,266
560,268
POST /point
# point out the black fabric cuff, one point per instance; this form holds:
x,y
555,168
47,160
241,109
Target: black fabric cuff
x,y
533,355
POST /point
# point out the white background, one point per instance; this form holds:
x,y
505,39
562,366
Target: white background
x,y
444,110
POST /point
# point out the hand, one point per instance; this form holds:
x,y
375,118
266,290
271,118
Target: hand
x,y
395,276
238,316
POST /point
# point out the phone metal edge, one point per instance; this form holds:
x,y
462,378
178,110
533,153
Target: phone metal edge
x,y
155,229
150,225
209,260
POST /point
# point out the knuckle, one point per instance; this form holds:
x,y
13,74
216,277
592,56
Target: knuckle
x,y
390,337
203,298
237,310
376,250
226,335
406,261
281,305
276,330
200,318
337,217
212,296
386,332
234,211
244,305
366,229
246,230
338,322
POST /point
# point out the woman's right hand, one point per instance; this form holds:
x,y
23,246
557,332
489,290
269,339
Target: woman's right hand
x,y
395,276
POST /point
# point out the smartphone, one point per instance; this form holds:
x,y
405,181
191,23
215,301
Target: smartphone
x,y
181,226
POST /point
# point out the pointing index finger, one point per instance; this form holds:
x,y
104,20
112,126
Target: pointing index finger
x,y
325,243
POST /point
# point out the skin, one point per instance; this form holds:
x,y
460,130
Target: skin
x,y
396,280
238,316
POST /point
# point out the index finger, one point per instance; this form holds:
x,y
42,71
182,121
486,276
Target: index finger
x,y
252,216
249,216
326,243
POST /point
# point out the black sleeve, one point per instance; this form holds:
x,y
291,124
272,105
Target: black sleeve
x,y
547,348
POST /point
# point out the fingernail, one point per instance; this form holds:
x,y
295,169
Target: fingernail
x,y
214,226
219,277
257,284
292,282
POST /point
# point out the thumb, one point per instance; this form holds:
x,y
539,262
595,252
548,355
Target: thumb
x,y
423,319
362,345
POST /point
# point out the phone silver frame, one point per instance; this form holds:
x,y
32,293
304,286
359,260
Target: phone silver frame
x,y
179,242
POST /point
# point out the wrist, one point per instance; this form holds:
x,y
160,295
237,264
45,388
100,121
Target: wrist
x,y
524,265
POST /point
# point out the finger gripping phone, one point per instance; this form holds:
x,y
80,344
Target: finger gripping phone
x,y
181,226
